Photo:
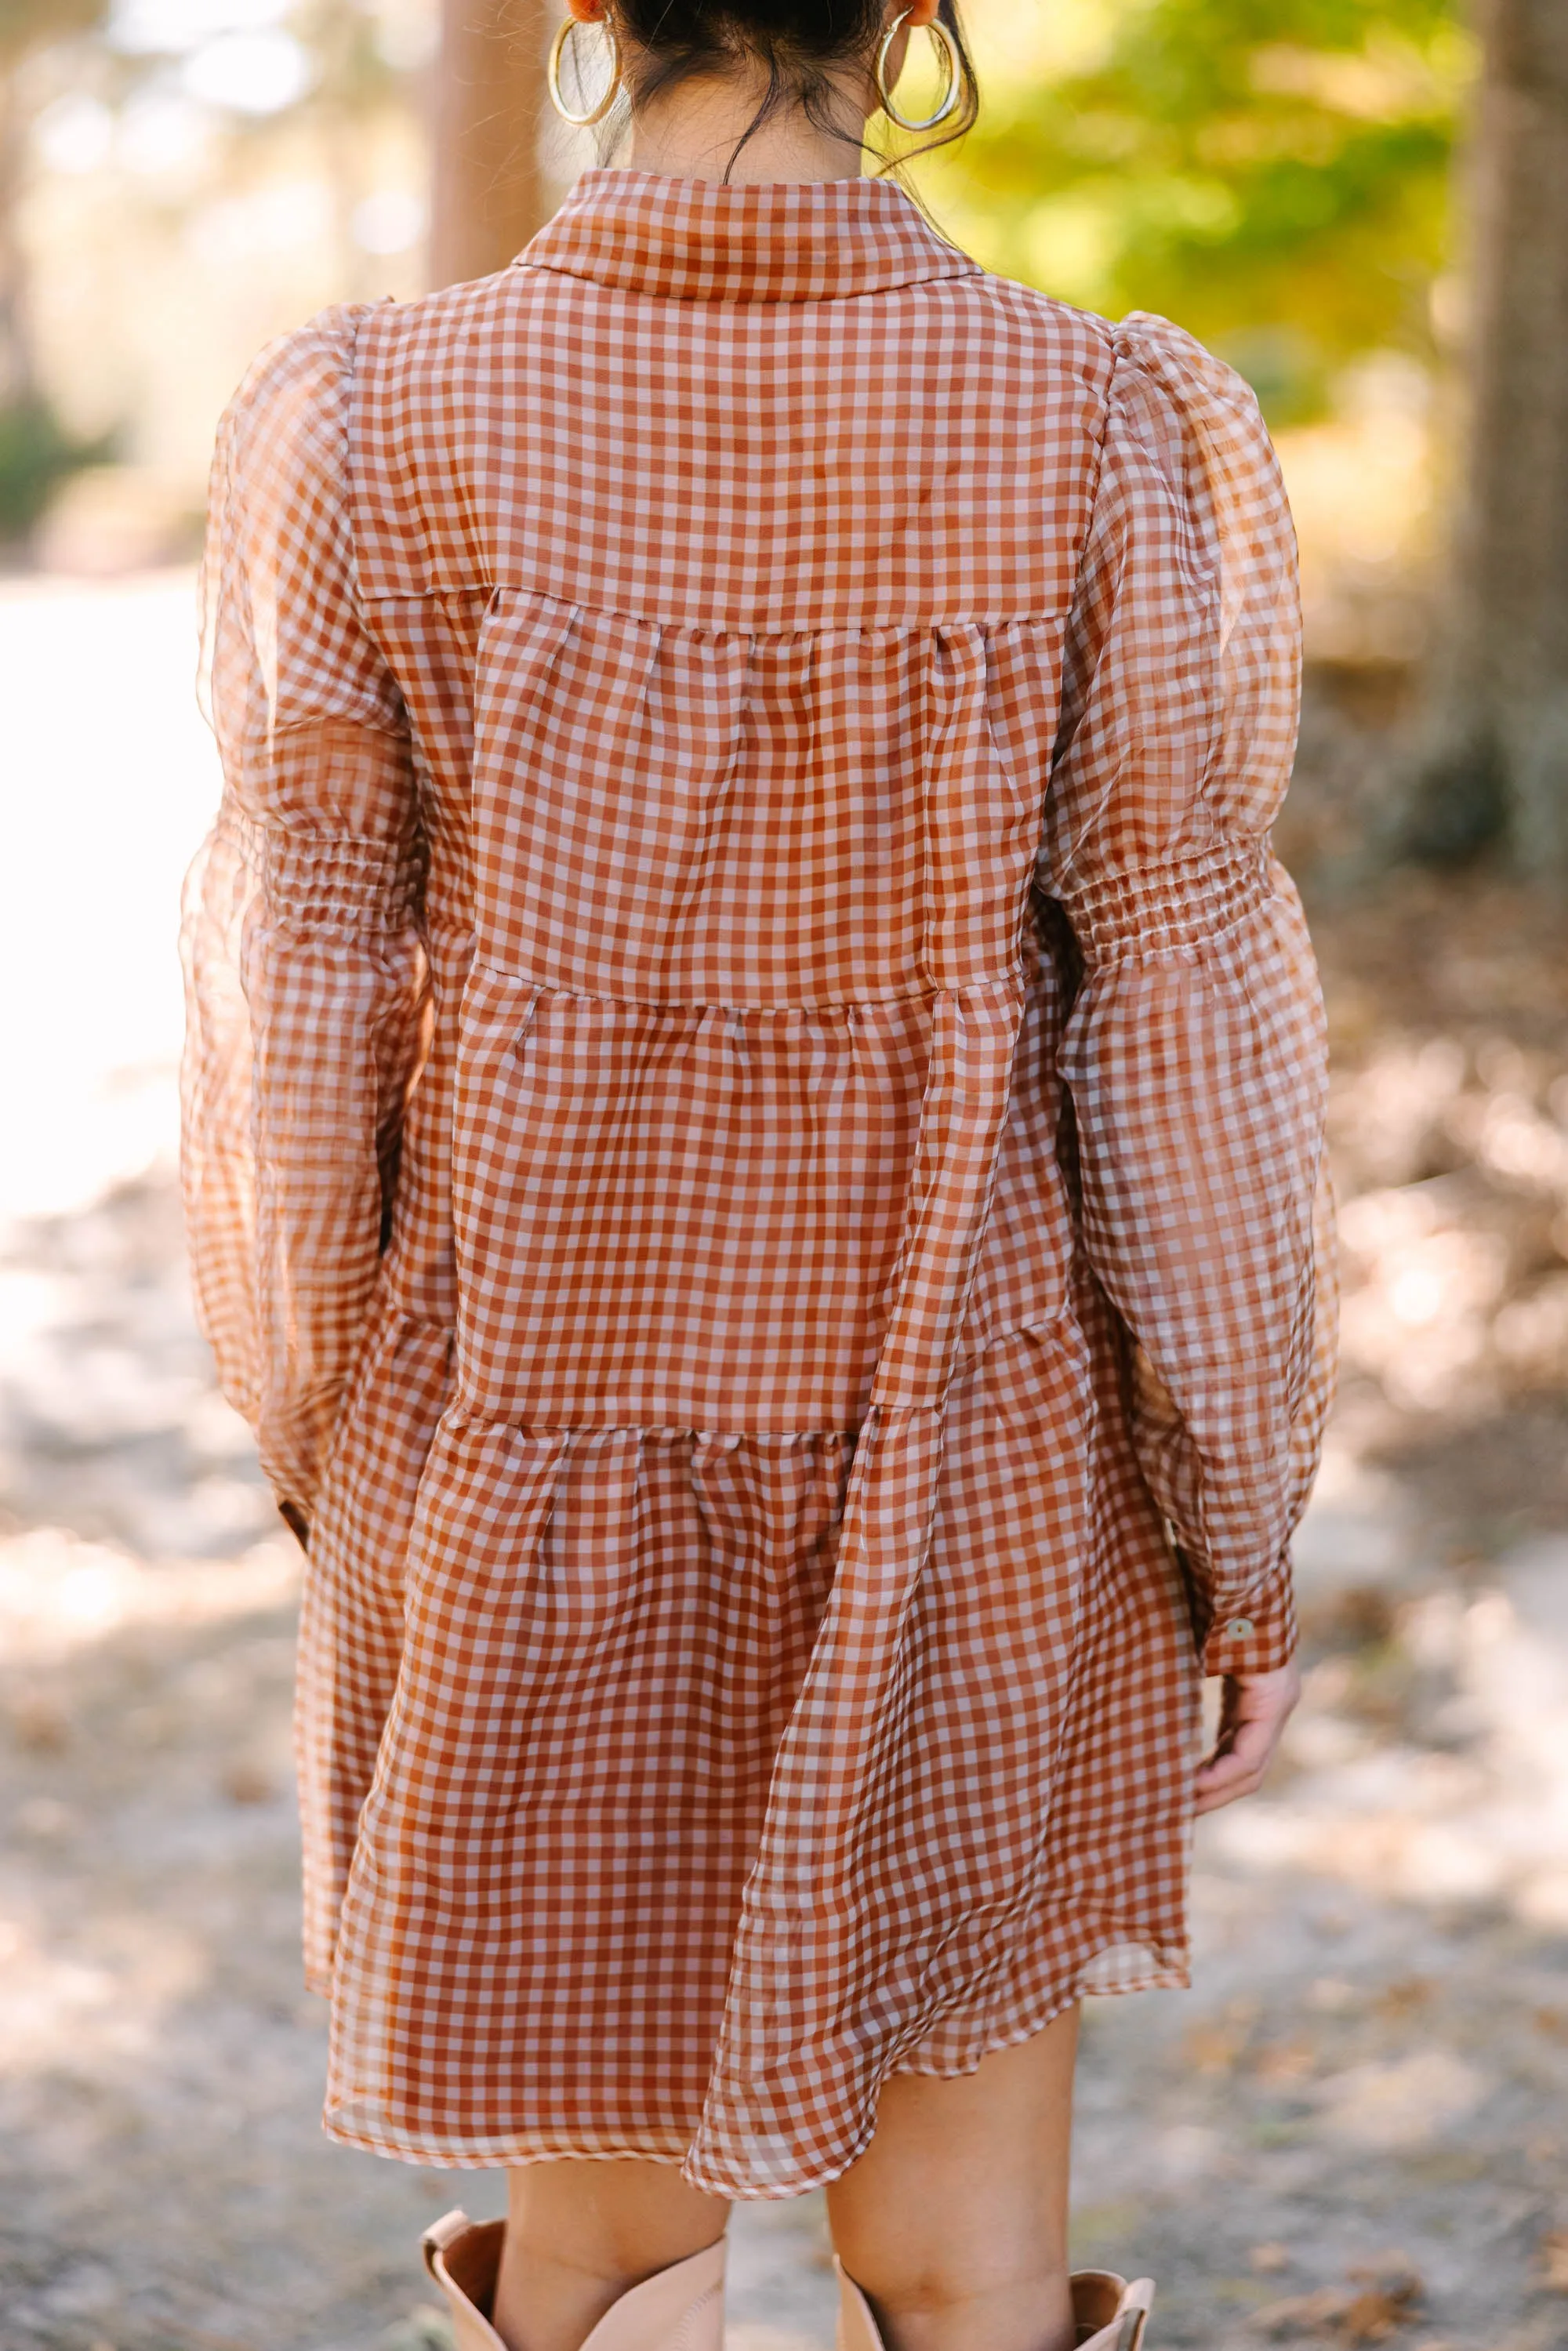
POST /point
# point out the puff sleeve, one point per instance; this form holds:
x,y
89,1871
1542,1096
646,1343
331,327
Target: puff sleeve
x,y
1196,1052
304,973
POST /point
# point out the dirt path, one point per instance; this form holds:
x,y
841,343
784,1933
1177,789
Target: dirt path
x,y
1356,2127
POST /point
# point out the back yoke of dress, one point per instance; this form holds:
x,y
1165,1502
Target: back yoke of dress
x,y
721,720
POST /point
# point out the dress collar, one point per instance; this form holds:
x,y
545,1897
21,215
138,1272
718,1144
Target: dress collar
x,y
808,240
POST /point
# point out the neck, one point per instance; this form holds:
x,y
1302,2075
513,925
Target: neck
x,y
693,133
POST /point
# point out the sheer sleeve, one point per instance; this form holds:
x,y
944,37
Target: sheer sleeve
x,y
303,967
1196,1052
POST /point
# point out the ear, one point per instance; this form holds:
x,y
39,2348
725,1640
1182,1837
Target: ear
x,y
586,12
923,11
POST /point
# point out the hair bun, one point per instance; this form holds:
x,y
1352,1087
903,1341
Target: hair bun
x,y
798,49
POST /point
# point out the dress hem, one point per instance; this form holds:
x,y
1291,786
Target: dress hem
x,y
486,2151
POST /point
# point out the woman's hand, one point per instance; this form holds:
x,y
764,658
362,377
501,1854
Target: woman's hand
x,y
1253,1712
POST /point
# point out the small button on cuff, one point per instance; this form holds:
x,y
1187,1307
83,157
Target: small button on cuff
x,y
1239,1628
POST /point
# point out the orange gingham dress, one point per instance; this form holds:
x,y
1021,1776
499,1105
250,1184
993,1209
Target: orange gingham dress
x,y
753,1120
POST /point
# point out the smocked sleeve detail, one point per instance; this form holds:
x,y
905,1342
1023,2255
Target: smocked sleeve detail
x,y
1154,909
346,889
303,972
1195,1053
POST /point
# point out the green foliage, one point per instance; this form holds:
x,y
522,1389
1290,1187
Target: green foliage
x,y
37,453
1275,174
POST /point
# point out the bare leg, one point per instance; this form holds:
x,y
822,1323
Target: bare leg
x,y
953,2223
578,2234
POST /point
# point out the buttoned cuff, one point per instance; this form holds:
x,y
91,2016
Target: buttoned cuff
x,y
1244,1628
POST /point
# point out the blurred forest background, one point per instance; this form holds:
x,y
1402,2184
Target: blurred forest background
x,y
186,178
1352,2130
1359,202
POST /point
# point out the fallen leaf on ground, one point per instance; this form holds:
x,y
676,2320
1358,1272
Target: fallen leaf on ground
x,y
1284,2061
1381,2297
1301,2313
1372,2315
39,1727
1212,2048
1402,1999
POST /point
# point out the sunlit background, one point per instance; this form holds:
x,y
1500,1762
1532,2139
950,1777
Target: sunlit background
x,y
1352,2130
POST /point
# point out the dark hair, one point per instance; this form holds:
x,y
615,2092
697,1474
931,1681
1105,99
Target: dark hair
x,y
794,44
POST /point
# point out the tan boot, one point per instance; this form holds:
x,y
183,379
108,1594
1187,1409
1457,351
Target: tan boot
x,y
1108,2313
677,2309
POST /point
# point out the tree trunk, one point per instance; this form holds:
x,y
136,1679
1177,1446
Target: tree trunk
x,y
19,375
489,90
1498,768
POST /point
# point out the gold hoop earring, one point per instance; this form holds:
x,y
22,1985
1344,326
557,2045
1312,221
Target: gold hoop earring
x,y
558,50
949,102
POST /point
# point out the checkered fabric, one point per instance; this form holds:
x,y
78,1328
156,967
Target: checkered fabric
x,y
754,1107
